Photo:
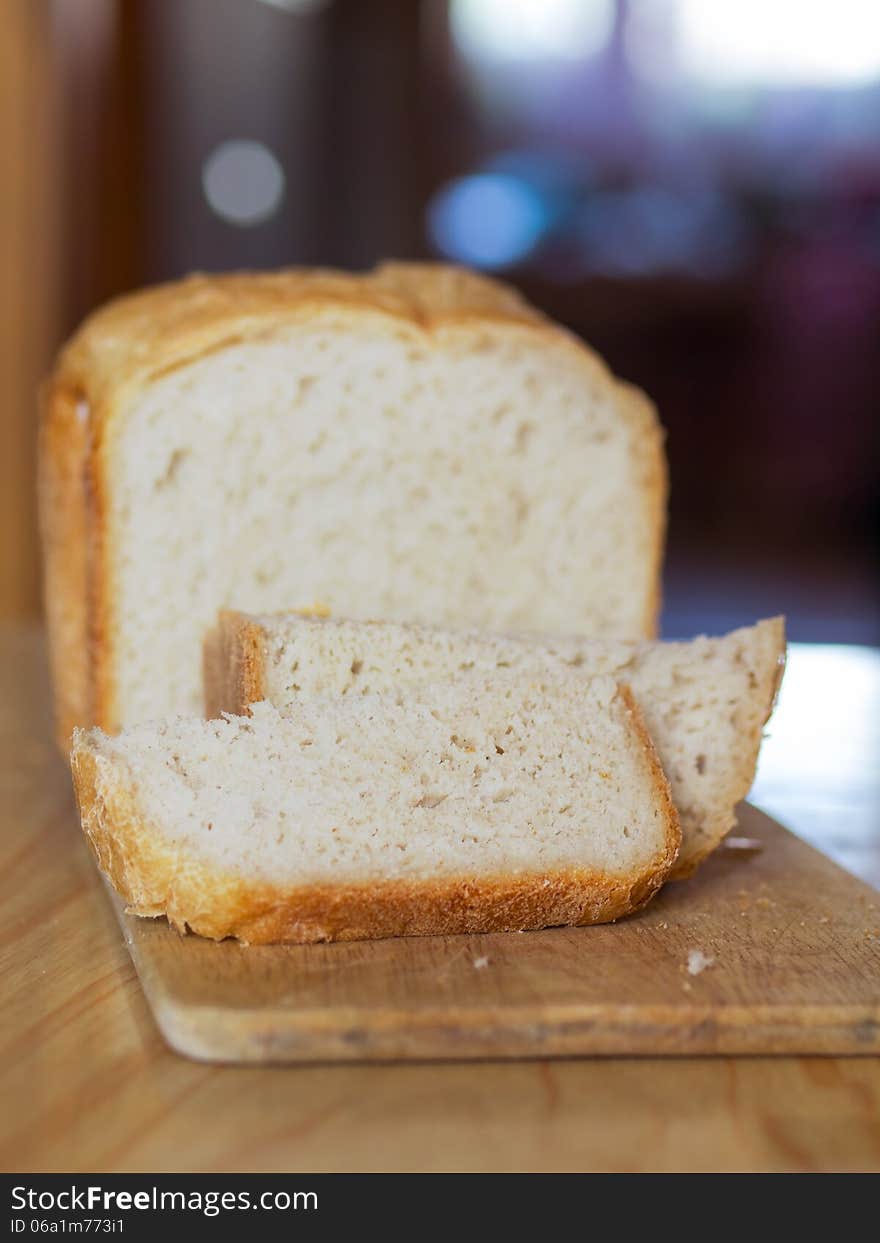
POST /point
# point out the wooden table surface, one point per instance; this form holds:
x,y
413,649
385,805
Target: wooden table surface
x,y
87,1084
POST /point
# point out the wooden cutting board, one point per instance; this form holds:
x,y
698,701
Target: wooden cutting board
x,y
772,949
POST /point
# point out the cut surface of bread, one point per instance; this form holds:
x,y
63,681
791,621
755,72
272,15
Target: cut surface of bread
x,y
468,806
705,702
416,443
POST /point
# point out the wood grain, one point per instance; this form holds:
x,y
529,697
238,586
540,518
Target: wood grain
x,y
88,1084
788,972
30,228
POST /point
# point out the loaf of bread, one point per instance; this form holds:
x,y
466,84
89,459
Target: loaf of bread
x,y
468,806
415,444
705,702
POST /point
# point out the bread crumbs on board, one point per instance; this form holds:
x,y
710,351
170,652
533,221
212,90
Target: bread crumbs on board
x,y
697,961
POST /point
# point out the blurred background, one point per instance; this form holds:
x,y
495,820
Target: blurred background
x,y
692,185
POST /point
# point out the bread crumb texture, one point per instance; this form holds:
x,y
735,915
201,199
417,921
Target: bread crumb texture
x,y
705,702
464,806
416,444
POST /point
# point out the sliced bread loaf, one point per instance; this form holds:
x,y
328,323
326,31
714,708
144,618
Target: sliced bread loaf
x,y
470,806
705,702
416,443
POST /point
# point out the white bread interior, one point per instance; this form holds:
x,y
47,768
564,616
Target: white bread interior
x,y
416,444
705,702
464,806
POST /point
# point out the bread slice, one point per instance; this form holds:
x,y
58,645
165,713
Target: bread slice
x,y
705,702
471,806
416,443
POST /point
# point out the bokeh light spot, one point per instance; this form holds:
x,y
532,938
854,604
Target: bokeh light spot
x,y
243,182
783,43
531,29
489,220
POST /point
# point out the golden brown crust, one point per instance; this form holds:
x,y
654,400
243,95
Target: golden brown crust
x,y
778,648
649,440
233,672
100,599
662,792
156,879
769,670
150,332
63,512
129,343
234,661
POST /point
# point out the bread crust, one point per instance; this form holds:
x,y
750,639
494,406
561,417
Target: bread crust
x,y
233,665
651,446
155,879
234,662
769,673
62,495
126,345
